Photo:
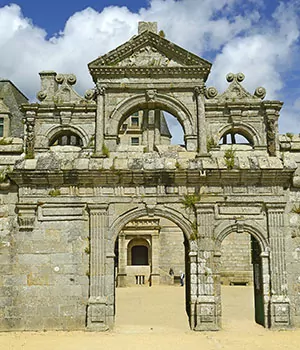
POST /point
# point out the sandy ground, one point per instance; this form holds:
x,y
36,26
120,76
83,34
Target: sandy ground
x,y
154,318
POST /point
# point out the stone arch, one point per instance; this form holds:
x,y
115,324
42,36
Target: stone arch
x,y
224,229
244,129
138,102
173,215
76,130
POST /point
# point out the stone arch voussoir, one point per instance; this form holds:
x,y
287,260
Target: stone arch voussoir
x,y
171,214
60,128
229,226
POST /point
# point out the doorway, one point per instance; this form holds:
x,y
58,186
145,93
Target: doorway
x,y
242,282
152,253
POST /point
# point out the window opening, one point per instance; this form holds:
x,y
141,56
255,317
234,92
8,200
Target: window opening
x,y
67,139
135,141
139,255
134,121
232,138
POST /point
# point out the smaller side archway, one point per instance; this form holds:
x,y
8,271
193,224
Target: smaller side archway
x,y
259,252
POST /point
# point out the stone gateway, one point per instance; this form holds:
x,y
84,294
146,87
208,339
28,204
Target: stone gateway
x,y
94,196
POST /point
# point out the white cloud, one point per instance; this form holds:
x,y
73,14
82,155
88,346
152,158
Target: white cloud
x,y
230,32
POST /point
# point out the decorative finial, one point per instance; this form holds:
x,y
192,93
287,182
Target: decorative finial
x,y
147,26
230,77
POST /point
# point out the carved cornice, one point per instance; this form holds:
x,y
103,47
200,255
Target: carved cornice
x,y
85,107
90,178
150,72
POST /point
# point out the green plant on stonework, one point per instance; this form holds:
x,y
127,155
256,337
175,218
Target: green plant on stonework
x,y
54,193
296,209
189,201
162,34
3,173
229,158
4,141
210,143
29,154
91,141
177,165
194,233
87,250
290,135
105,150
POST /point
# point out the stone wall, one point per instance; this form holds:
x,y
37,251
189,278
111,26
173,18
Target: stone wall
x,y
172,251
47,282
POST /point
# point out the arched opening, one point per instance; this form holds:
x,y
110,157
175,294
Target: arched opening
x,y
242,280
152,252
66,138
138,252
233,137
146,130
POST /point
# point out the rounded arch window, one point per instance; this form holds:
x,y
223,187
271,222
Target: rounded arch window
x,y
138,252
66,138
233,137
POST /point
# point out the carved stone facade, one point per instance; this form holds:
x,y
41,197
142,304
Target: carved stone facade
x,y
69,192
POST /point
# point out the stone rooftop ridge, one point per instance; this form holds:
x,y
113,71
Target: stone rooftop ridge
x,y
52,161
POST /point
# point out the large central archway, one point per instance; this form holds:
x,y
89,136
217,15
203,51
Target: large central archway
x,y
153,252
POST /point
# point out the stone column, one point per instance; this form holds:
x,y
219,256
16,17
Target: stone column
x,y
193,287
207,315
151,129
265,257
155,259
145,128
122,260
201,125
99,317
99,130
280,305
157,132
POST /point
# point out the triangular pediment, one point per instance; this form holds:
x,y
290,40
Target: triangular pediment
x,y
152,51
235,91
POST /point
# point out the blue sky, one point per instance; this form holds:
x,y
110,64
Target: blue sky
x,y
259,38
52,15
